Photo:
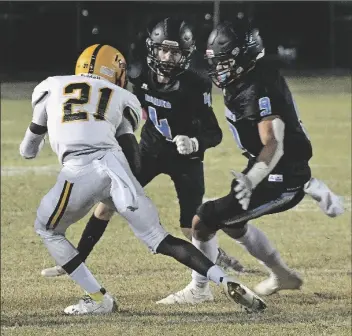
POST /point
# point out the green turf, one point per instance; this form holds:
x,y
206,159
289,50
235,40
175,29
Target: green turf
x,y
317,246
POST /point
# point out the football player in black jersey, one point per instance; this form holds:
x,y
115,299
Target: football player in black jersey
x,y
180,127
264,121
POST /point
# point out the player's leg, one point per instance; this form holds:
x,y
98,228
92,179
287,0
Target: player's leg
x,y
188,177
90,236
99,220
330,203
228,214
103,213
259,246
144,221
146,226
67,202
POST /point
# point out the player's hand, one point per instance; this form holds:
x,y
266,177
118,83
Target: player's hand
x,y
33,154
243,189
186,145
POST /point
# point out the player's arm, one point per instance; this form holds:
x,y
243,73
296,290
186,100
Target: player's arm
x,y
126,138
33,139
271,129
209,131
271,132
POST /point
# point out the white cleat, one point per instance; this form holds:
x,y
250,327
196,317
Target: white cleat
x,y
189,295
87,305
243,296
52,272
274,284
330,203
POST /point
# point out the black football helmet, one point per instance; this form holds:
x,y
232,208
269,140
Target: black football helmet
x,y
232,52
172,35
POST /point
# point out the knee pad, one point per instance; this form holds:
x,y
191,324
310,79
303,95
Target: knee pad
x,y
40,227
58,246
206,213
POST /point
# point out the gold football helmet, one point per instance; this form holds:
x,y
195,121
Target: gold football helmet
x,y
104,61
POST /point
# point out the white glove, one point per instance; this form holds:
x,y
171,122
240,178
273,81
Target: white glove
x,y
28,149
186,145
243,189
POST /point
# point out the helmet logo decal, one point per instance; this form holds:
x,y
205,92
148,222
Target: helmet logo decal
x,y
107,71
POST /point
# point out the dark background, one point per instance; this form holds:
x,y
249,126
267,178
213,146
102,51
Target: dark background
x,y
47,37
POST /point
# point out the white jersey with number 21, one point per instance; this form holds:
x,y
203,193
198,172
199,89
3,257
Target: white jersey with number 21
x,y
81,113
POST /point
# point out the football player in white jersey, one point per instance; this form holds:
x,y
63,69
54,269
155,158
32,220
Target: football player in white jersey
x,y
86,115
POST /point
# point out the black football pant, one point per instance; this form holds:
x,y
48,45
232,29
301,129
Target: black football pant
x,y
187,175
276,193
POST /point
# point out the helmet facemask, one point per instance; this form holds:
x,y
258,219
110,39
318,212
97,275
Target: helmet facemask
x,y
232,54
226,68
167,58
121,78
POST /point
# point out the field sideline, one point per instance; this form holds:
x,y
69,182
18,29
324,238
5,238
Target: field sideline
x,y
317,246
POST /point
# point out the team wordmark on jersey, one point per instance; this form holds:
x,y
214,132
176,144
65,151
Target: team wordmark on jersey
x,y
158,102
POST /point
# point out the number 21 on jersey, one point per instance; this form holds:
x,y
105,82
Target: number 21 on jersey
x,y
161,125
84,91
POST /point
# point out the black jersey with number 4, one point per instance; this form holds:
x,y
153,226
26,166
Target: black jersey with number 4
x,y
182,108
262,93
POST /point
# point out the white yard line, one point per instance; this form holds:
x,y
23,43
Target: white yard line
x,y
23,170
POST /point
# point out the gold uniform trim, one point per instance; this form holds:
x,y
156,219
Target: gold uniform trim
x,y
61,206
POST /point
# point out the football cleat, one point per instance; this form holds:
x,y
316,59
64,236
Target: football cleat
x,y
243,296
189,295
52,272
274,284
228,263
86,305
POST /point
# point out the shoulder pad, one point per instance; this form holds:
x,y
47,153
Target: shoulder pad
x,y
40,92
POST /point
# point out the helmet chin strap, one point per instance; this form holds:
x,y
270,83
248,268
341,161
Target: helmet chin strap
x,y
161,77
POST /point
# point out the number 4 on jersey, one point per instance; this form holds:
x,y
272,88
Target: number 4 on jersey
x,y
162,125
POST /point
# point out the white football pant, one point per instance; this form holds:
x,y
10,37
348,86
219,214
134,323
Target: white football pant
x,y
106,177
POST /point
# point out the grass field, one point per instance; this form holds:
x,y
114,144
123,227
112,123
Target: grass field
x,y
317,246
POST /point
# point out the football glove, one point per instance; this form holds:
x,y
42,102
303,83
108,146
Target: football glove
x,y
186,145
243,189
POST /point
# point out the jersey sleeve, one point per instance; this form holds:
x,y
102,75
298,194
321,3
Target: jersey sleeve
x,y
210,134
132,111
39,98
266,101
